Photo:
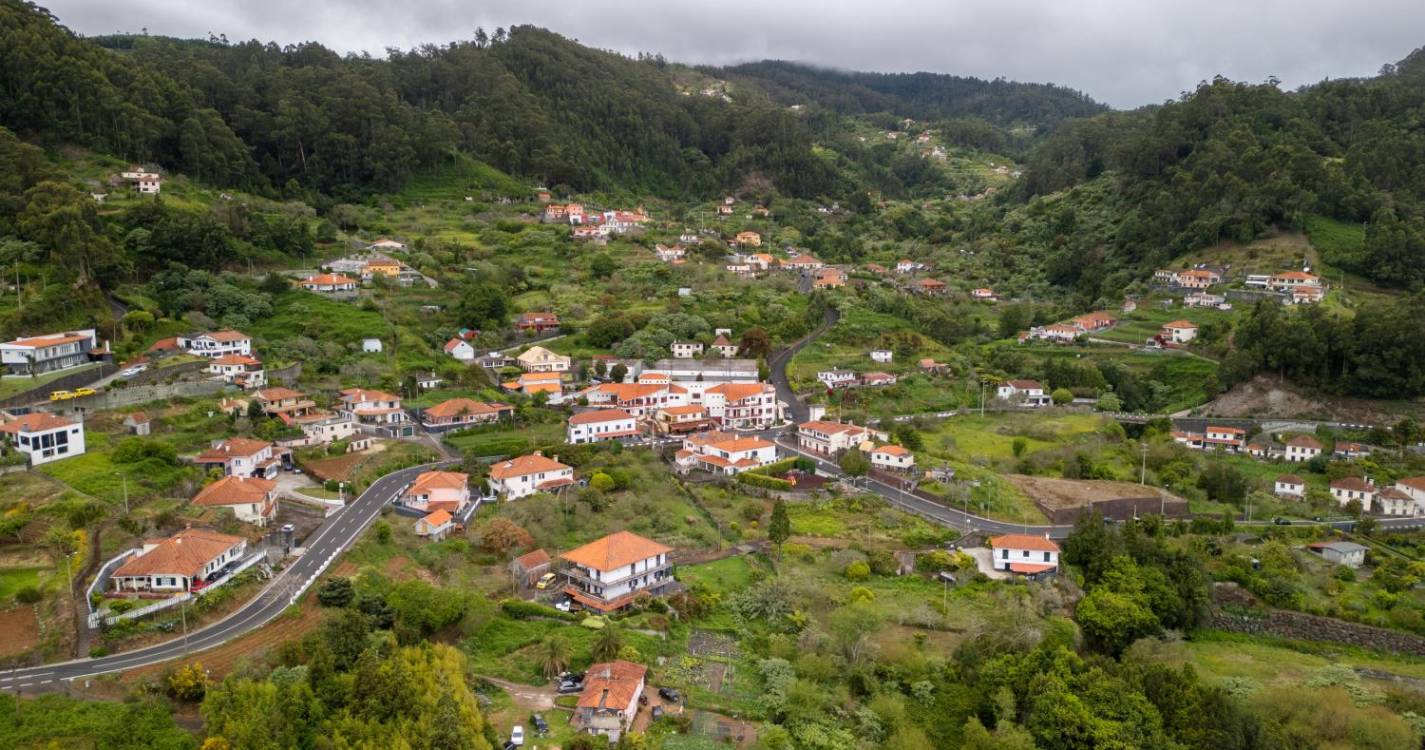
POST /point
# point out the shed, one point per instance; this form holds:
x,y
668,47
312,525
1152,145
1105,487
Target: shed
x,y
527,568
1350,554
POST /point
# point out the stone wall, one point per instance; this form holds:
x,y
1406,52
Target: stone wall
x,y
1299,626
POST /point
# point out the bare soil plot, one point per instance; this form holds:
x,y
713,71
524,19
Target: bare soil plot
x,y
19,630
1059,494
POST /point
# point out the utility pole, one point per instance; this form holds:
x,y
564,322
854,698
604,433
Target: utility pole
x,y
982,397
1143,472
183,614
125,479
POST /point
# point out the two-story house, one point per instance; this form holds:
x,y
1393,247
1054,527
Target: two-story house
x,y
241,370
601,424
1302,448
539,359
329,283
838,378
1025,554
217,343
458,413
723,453
183,562
834,438
1178,331
892,458
57,351
242,457
743,406
687,349
609,700
1027,392
374,408
678,420
251,500
638,399
1230,439
1361,489
724,348
438,490
609,573
44,437
526,475
536,322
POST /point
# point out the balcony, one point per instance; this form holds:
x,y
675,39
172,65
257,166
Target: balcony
x,y
576,574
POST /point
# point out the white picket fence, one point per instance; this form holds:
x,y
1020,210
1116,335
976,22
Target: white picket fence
x,y
172,601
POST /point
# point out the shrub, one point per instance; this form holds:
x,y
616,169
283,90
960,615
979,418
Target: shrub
x,y
29,595
757,480
336,592
858,571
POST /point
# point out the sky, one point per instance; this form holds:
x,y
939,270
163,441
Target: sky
x,y
1123,52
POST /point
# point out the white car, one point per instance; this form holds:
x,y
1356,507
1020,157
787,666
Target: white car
x,y
517,735
132,371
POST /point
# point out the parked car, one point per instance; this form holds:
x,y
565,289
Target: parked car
x,y
562,605
82,392
60,395
517,735
130,372
669,694
540,725
545,581
570,684
1281,521
657,713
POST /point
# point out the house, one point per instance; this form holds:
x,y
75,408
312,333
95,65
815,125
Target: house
x,y
372,408
1178,331
1257,281
1203,299
460,349
724,453
371,346
687,349
1302,448
1306,295
877,269
801,262
1231,439
381,266
748,239
435,525
284,403
1062,332
906,265
725,348
457,413
609,573
1350,554
984,294
531,383
526,475
533,323
834,438
1347,450
609,701
1094,321
1289,486
882,355
186,561
828,278
837,378
676,420
930,366
43,437
329,283
760,261
638,399
241,370
138,423
892,458
252,500
146,183
217,343
1361,489
1189,439
1028,392
743,406
48,353
930,287
1262,446
1394,502
438,490
669,254
1288,280
530,567
601,424
873,379
539,359
1025,554
428,381
1414,487
242,457
1197,278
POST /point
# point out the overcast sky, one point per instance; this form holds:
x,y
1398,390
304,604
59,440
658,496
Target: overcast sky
x,y
1123,52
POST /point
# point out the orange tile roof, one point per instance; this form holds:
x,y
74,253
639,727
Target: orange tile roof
x,y
165,345
530,560
615,551
234,491
518,467
739,391
1352,484
599,415
1180,324
328,279
439,480
231,447
184,553
456,406
832,428
437,519
363,395
1414,483
236,359
277,393
1030,568
226,335
40,342
892,450
1024,541
612,685
35,422
1305,441
1290,479
741,445
683,410
630,391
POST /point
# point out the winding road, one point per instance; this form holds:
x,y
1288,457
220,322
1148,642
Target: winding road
x,y
330,540
777,365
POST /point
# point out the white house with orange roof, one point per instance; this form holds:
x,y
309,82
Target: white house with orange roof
x,y
748,239
834,438
43,437
1232,439
678,420
892,458
1178,331
1288,280
608,703
371,407
242,457
183,562
457,413
438,490
1025,554
743,406
526,475
686,349
1029,392
638,399
216,343
242,370
56,351
531,383
434,526
607,574
1361,489
539,359
984,294
1302,448
251,500
724,453
460,349
596,425
724,348
329,283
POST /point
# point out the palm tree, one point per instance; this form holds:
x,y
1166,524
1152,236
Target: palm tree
x,y
554,654
607,643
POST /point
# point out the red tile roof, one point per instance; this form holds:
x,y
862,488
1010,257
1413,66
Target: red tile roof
x,y
35,422
518,467
439,480
184,553
234,491
615,551
1024,541
599,415
612,685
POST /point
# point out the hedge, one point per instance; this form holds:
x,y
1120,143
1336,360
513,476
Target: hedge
x,y
776,467
765,482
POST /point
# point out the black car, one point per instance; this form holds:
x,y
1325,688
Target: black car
x,y
540,725
1281,521
669,694
510,745
657,713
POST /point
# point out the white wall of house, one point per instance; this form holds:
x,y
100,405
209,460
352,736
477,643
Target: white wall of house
x,y
527,484
1003,556
44,446
593,432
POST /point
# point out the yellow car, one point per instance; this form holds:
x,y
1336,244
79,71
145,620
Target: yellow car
x,y
60,395
545,581
82,392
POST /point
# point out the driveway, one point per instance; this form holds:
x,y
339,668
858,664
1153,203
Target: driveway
x,y
984,560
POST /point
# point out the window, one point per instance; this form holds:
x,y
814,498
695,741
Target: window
x,y
1046,557
1026,553
1004,554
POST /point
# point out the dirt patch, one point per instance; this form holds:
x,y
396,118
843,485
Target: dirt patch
x,y
402,568
253,646
19,630
1056,494
338,468
708,643
1268,397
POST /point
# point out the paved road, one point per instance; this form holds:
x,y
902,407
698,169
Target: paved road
x,y
334,536
797,409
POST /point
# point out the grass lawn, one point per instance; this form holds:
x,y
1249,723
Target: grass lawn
x,y
726,576
14,579
502,440
11,385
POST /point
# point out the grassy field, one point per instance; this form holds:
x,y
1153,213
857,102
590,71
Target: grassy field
x,y
506,441
11,385
14,579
